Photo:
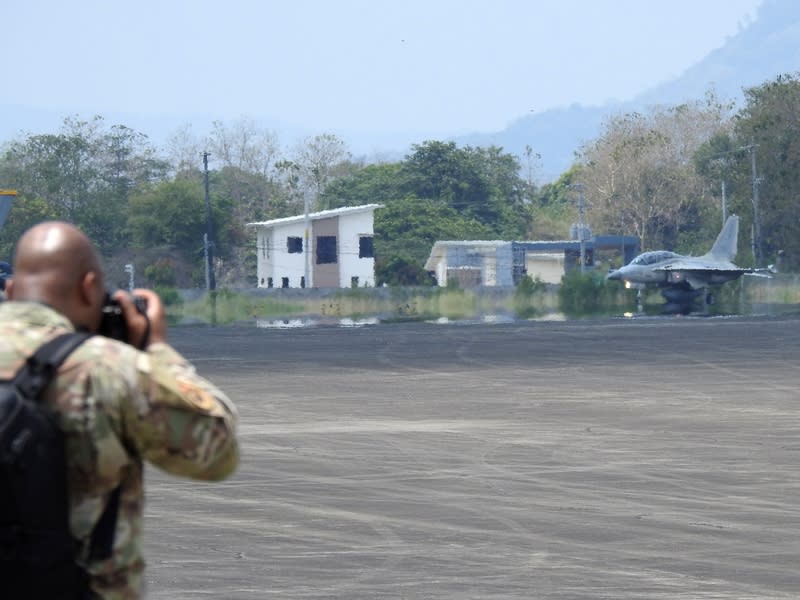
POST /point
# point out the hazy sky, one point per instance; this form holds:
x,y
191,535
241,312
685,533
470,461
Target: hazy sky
x,y
438,67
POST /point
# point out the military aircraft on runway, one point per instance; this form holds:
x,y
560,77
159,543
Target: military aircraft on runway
x,y
685,279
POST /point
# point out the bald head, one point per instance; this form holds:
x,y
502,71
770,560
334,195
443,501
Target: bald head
x,y
56,264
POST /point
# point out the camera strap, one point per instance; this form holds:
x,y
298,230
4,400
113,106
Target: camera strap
x,y
146,338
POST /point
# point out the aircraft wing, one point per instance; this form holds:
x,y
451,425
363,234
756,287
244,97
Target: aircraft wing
x,y
701,272
700,266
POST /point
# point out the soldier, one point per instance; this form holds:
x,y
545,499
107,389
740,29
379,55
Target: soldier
x,y
117,405
5,273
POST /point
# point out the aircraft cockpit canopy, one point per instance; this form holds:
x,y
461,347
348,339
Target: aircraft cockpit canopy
x,y
651,258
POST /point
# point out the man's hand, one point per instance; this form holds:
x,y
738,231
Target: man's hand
x,y
146,329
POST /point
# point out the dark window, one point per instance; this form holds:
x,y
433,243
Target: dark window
x,y
354,282
294,245
269,282
302,281
284,282
326,249
365,247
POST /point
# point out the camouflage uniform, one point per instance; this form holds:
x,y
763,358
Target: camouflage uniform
x,y
119,406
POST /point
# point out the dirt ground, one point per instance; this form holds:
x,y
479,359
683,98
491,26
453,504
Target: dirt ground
x,y
654,458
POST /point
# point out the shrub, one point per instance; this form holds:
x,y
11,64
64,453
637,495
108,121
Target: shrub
x,y
586,293
528,297
169,296
161,273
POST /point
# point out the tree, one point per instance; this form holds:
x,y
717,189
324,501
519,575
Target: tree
x,y
553,208
639,175
171,214
442,172
480,183
183,150
438,192
505,207
85,173
244,146
25,213
60,168
320,160
769,129
405,231
370,184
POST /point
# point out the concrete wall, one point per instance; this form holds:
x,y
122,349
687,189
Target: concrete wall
x,y
274,260
351,229
487,264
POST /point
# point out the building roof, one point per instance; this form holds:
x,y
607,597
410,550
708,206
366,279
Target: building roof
x,y
439,249
324,214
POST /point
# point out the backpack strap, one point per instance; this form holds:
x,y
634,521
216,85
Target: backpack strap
x,y
31,380
39,369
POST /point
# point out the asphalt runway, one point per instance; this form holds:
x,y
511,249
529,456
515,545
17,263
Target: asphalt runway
x,y
655,458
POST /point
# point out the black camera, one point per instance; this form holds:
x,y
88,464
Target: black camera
x,y
113,323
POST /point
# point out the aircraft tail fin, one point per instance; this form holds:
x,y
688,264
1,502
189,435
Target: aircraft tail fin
x,y
725,246
6,200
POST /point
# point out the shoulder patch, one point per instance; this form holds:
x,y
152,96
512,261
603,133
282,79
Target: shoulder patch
x,y
197,396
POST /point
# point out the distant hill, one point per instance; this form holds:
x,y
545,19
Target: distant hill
x,y
759,52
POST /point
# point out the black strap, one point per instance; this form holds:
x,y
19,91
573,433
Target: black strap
x,y
32,379
102,543
39,369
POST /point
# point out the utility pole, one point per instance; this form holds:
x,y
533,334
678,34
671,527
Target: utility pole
x,y
208,244
581,225
756,219
724,205
755,237
307,239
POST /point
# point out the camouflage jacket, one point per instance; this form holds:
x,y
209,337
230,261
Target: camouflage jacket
x,y
119,407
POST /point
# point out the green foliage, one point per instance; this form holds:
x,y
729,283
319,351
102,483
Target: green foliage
x,y
439,192
85,174
482,184
401,271
656,175
169,296
560,192
171,214
372,184
253,196
529,287
409,228
161,272
25,212
639,177
230,307
583,294
769,128
528,296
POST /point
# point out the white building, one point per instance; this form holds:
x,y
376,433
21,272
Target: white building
x,y
331,248
472,263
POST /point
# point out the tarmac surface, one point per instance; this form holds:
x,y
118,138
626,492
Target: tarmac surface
x,y
650,458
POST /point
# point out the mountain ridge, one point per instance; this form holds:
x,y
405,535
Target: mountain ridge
x,y
768,46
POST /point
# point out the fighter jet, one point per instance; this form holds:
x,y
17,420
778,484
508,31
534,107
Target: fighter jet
x,y
684,279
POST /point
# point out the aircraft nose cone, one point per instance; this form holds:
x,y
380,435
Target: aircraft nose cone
x,y
614,275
